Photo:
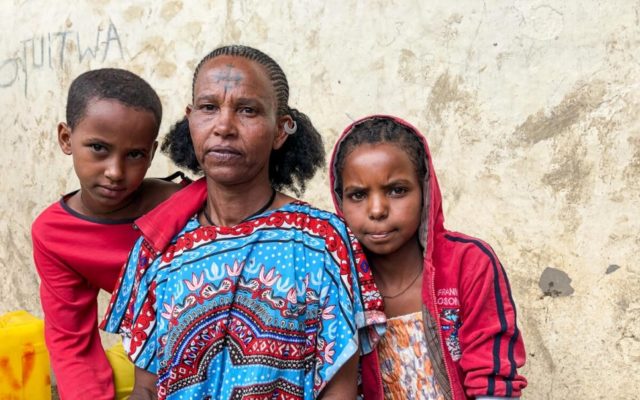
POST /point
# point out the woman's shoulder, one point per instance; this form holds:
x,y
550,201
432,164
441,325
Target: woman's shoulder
x,y
315,212
318,221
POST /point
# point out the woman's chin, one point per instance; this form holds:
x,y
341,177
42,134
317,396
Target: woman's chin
x,y
221,176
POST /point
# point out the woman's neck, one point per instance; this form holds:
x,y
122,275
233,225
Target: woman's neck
x,y
228,206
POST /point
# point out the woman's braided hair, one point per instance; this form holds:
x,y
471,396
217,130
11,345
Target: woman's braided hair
x,y
293,164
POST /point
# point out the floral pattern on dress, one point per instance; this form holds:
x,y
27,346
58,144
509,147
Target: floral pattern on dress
x,y
269,308
405,366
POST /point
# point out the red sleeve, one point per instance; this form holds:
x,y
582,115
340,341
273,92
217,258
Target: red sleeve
x,y
70,310
492,345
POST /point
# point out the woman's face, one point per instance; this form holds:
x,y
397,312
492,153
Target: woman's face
x,y
233,121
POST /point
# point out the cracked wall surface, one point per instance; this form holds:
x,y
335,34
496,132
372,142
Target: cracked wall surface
x,y
531,109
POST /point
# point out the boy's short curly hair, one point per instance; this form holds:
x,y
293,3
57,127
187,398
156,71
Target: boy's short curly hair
x,y
292,165
111,84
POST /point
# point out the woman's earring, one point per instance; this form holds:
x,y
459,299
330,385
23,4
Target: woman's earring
x,y
290,129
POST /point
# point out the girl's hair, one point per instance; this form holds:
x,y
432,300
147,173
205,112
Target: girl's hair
x,y
293,164
380,130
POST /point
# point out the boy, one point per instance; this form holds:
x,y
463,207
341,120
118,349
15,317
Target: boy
x,y
81,242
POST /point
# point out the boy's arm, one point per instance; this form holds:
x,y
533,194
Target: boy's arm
x,y
70,307
491,343
158,190
145,386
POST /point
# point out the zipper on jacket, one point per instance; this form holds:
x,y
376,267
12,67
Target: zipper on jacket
x,y
450,394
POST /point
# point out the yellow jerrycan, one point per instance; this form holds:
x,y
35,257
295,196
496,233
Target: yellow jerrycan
x,y
24,360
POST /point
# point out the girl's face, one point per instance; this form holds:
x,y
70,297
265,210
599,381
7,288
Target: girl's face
x,y
382,198
233,121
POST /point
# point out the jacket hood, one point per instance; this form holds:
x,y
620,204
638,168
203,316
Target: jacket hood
x,y
432,216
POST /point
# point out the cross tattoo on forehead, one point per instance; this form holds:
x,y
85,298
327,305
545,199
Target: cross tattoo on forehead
x,y
228,78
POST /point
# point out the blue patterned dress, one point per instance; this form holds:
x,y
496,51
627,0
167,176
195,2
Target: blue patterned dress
x,y
267,309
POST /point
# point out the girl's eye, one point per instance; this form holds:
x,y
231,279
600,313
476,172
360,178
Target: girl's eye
x,y
398,191
356,196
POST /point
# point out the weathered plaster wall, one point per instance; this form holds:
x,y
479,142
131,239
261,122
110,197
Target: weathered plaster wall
x,y
531,108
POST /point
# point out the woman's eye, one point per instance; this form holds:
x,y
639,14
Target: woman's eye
x,y
247,110
208,107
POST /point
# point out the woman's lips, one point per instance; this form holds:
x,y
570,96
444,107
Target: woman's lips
x,y
223,153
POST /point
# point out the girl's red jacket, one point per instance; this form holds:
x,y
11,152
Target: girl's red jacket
x,y
470,317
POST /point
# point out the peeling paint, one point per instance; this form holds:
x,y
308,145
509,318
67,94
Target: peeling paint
x,y
573,107
632,169
629,339
166,69
170,9
555,283
612,268
569,173
407,66
445,93
133,13
450,31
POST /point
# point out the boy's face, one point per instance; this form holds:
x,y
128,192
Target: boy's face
x,y
112,148
382,198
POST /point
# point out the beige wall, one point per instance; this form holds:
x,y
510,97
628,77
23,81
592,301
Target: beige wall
x,y
531,109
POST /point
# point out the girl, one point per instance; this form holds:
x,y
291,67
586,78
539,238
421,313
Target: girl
x,y
256,295
452,330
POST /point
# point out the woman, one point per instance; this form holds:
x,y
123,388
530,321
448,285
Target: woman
x,y
256,296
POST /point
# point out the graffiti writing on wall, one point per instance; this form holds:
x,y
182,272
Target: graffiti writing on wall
x,y
53,49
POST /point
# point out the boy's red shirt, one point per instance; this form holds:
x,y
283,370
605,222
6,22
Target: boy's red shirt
x,y
76,257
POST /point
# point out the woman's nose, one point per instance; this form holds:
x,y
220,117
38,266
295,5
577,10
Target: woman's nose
x,y
225,123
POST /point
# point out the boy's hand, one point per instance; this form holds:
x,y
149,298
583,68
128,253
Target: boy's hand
x,y
145,386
